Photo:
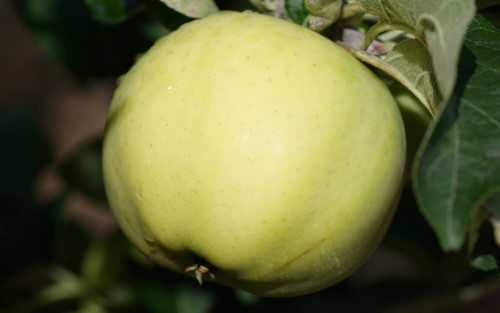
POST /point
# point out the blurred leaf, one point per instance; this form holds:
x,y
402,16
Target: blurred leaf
x,y
112,11
66,31
194,9
411,59
65,286
296,11
193,299
485,262
104,260
493,204
246,298
82,170
157,298
91,305
169,18
460,165
441,25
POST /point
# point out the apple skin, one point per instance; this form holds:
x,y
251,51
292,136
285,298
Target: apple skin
x,y
256,148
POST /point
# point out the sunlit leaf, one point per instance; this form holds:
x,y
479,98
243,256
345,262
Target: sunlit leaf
x,y
412,60
194,9
323,13
440,25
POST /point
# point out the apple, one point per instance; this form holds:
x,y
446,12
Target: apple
x,y
253,152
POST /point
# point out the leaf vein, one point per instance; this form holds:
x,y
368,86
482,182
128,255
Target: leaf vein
x,y
483,113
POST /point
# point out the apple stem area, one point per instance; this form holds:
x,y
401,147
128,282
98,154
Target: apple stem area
x,y
199,271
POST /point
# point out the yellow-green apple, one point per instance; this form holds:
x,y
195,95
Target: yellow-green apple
x,y
248,150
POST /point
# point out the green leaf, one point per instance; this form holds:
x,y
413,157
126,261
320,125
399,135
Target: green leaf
x,y
274,8
323,13
112,11
485,262
190,8
460,165
329,9
412,60
296,11
493,205
440,25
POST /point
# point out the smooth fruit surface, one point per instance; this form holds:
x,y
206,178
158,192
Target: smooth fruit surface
x,y
257,148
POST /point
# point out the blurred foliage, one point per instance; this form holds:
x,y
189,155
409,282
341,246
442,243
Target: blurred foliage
x,y
101,38
67,31
82,169
49,263
112,11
